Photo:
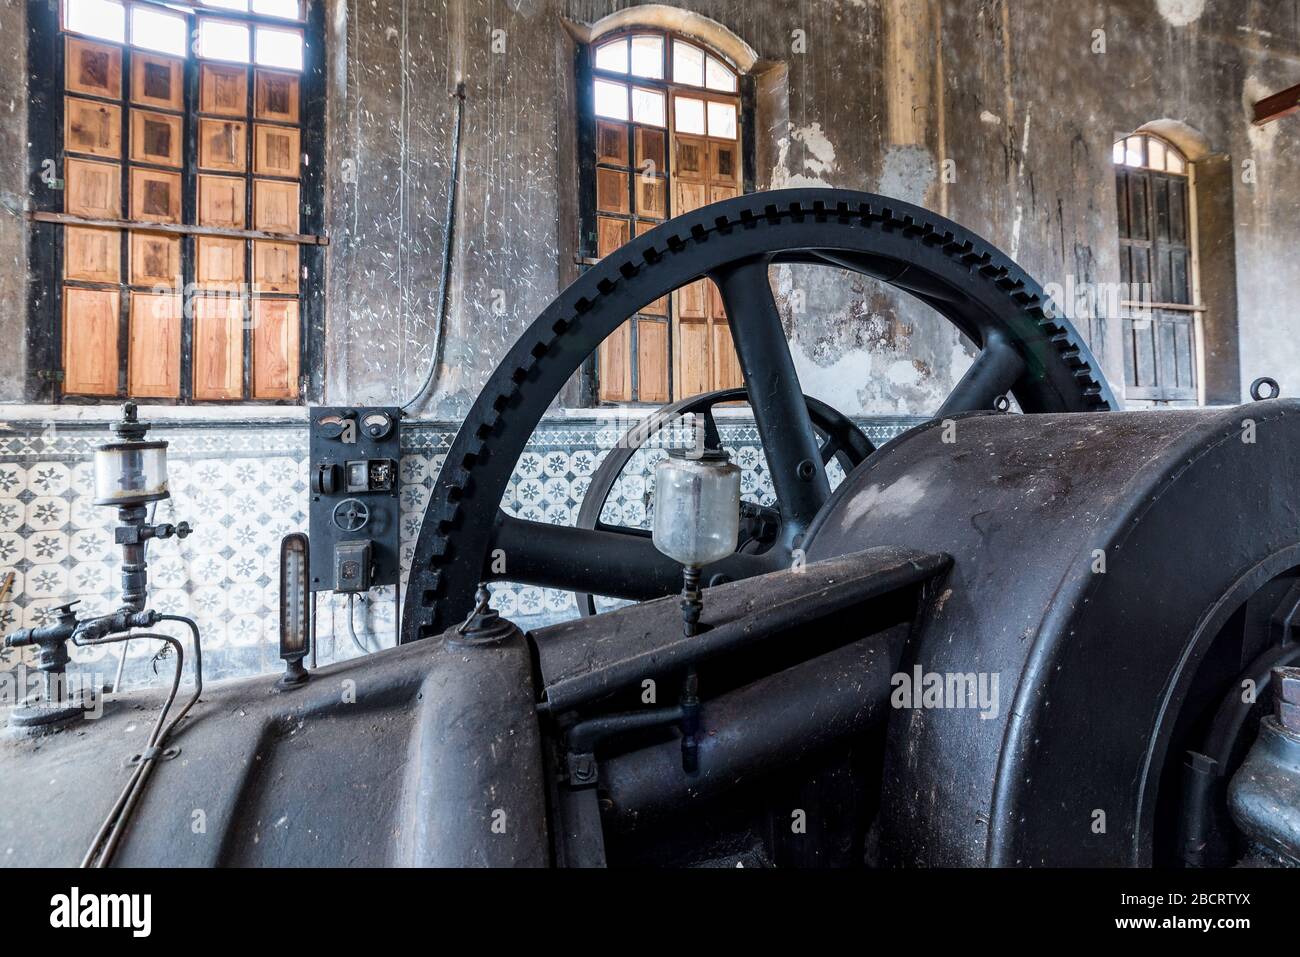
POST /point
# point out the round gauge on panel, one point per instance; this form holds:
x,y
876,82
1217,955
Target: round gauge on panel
x,y
377,425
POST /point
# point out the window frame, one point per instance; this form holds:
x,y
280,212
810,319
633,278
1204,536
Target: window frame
x,y
586,74
48,223
1162,320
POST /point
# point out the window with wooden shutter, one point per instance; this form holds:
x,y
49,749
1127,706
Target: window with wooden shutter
x,y
182,223
1157,266
667,139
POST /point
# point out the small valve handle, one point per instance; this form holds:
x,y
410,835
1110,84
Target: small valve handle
x,y
181,530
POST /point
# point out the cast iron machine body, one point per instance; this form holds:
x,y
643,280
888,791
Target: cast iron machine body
x,y
1002,640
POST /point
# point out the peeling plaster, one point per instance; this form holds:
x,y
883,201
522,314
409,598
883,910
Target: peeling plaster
x,y
907,174
891,96
818,158
1180,13
1262,138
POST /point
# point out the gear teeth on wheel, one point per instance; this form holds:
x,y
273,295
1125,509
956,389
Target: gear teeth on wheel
x,y
443,515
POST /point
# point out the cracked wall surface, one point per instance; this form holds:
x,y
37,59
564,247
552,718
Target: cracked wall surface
x,y
997,114
13,191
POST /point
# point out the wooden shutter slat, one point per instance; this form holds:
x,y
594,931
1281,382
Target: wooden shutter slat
x,y
615,358
92,255
275,348
154,360
652,360
155,259
92,127
90,326
218,360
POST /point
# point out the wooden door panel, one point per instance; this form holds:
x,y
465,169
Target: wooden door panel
x,y
689,196
275,267
218,261
693,301
275,349
611,233
615,359
92,127
223,90
726,367
154,361
652,360
156,138
650,150
155,259
1159,350
718,193
276,151
156,81
651,197
155,196
724,163
222,145
611,142
694,365
611,191
92,255
92,68
90,327
275,206
93,189
690,158
276,97
218,347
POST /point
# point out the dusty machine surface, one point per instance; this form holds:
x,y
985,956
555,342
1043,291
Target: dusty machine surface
x,y
1061,635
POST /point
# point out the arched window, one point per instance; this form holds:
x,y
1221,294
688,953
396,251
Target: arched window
x,y
1157,267
1146,151
667,139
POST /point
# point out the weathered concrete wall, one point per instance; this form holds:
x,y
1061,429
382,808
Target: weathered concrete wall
x,y
998,114
989,112
391,118
13,189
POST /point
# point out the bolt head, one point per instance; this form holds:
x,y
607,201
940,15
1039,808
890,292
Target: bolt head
x,y
1288,684
1286,696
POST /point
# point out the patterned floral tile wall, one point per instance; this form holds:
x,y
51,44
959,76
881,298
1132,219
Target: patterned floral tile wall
x,y
243,487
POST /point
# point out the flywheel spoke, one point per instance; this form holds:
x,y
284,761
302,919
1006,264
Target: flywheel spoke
x,y
623,530
568,558
780,411
829,450
993,373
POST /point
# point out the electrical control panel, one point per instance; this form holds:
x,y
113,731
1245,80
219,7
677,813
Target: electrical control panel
x,y
354,485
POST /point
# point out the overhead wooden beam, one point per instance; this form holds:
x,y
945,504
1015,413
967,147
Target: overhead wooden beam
x,y
1278,105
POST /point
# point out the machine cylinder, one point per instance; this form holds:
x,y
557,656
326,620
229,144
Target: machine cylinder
x,y
761,727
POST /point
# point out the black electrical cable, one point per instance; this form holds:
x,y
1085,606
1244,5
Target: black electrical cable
x,y
445,279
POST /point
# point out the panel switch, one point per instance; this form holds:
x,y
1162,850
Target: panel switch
x,y
352,566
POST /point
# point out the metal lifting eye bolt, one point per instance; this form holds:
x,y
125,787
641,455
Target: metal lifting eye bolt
x,y
1265,387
